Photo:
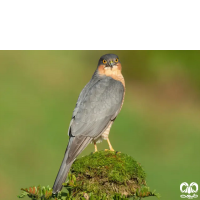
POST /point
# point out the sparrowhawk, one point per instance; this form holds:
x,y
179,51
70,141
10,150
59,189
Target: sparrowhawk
x,y
97,107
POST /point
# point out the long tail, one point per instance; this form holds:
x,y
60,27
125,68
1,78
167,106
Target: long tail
x,y
62,174
75,146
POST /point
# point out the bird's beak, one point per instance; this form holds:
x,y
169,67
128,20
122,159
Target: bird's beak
x,y
111,63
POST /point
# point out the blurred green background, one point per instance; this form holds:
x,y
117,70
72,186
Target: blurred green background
x,y
159,124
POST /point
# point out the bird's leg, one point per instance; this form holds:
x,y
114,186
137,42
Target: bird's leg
x,y
95,146
110,146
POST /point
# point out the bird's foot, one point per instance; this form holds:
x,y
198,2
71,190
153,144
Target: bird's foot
x,y
95,147
113,150
110,150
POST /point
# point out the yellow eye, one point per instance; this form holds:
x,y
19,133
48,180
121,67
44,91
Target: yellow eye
x,y
116,60
104,61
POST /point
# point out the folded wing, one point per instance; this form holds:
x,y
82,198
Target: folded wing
x,y
96,107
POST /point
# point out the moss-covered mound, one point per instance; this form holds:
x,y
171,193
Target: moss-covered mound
x,y
107,173
103,175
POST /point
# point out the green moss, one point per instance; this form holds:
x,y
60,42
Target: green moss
x,y
109,173
117,167
103,175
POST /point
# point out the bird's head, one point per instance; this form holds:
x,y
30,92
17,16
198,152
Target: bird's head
x,y
109,63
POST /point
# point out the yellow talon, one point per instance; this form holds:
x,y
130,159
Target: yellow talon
x,y
110,146
109,150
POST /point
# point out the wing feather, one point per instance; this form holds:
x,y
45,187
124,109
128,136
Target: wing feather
x,y
96,107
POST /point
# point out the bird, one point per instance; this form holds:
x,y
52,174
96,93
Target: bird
x,y
96,109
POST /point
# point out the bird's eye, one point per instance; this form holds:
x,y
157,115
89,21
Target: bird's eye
x,y
104,61
116,60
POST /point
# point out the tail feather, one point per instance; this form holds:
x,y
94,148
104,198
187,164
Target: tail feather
x,y
61,177
63,171
75,146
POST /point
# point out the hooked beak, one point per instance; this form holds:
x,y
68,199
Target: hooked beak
x,y
111,63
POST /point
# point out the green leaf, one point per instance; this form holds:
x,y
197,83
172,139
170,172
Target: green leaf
x,y
22,195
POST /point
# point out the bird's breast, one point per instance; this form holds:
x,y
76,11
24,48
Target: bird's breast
x,y
114,73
